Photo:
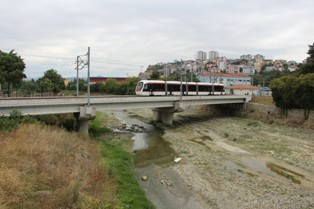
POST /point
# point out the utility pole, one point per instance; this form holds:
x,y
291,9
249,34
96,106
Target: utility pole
x,y
77,76
80,64
181,81
88,76
213,84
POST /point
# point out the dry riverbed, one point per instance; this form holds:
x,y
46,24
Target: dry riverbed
x,y
230,162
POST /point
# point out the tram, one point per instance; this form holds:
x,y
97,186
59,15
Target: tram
x,y
168,88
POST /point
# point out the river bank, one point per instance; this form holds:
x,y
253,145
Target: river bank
x,y
231,162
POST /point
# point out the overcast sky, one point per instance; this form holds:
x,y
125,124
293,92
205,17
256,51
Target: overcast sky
x,y
125,35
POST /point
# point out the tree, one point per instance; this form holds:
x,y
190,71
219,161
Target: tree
x,y
155,75
11,69
72,85
111,86
56,80
44,85
128,86
294,92
304,93
174,76
284,92
308,67
27,87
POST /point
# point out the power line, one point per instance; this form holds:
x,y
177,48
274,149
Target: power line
x,y
94,60
49,57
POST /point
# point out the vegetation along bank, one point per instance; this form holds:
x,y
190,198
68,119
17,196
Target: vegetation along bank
x,y
46,167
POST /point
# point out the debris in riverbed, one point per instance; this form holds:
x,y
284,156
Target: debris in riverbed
x,y
133,128
163,182
144,178
177,160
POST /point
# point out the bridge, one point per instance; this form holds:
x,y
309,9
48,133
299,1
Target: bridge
x,y
163,107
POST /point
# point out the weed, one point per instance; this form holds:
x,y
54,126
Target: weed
x,y
120,163
46,167
97,126
253,123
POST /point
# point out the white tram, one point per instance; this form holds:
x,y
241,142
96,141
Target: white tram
x,y
162,88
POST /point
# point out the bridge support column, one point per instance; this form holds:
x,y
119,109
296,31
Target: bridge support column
x,y
165,114
86,113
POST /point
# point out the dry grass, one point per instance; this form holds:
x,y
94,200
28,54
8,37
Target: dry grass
x,y
44,167
266,100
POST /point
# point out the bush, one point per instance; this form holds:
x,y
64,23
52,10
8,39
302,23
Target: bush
x,y
48,119
66,121
10,123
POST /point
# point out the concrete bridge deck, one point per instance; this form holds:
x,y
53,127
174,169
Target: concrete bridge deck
x,y
163,106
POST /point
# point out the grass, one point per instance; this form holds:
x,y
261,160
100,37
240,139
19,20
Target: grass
x,y
266,100
46,167
97,126
119,164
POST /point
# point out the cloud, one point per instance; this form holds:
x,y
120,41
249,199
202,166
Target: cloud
x,y
137,33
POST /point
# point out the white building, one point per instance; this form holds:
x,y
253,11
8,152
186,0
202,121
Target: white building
x,y
212,55
200,55
242,89
221,63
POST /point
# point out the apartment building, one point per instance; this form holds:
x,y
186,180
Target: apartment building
x,y
225,78
221,63
240,69
212,55
200,55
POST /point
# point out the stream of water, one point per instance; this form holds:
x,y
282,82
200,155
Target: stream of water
x,y
149,146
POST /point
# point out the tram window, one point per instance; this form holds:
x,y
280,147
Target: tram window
x,y
192,88
174,87
203,88
148,87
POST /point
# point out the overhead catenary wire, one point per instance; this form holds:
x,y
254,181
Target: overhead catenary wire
x,y
95,60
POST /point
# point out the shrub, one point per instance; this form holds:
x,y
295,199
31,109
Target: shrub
x,y
11,122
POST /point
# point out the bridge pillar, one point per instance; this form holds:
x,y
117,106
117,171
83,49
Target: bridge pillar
x,y
86,113
165,114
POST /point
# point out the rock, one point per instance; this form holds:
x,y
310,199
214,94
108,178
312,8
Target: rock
x,y
162,182
169,184
144,178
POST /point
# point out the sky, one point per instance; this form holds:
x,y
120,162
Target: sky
x,y
125,36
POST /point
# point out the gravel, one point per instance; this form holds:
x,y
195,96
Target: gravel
x,y
231,162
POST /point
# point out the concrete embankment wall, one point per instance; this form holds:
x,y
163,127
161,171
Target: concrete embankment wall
x,y
272,114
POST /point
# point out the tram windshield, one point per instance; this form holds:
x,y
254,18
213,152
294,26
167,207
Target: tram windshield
x,y
139,86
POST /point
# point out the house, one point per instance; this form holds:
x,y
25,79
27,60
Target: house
x,y
242,89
